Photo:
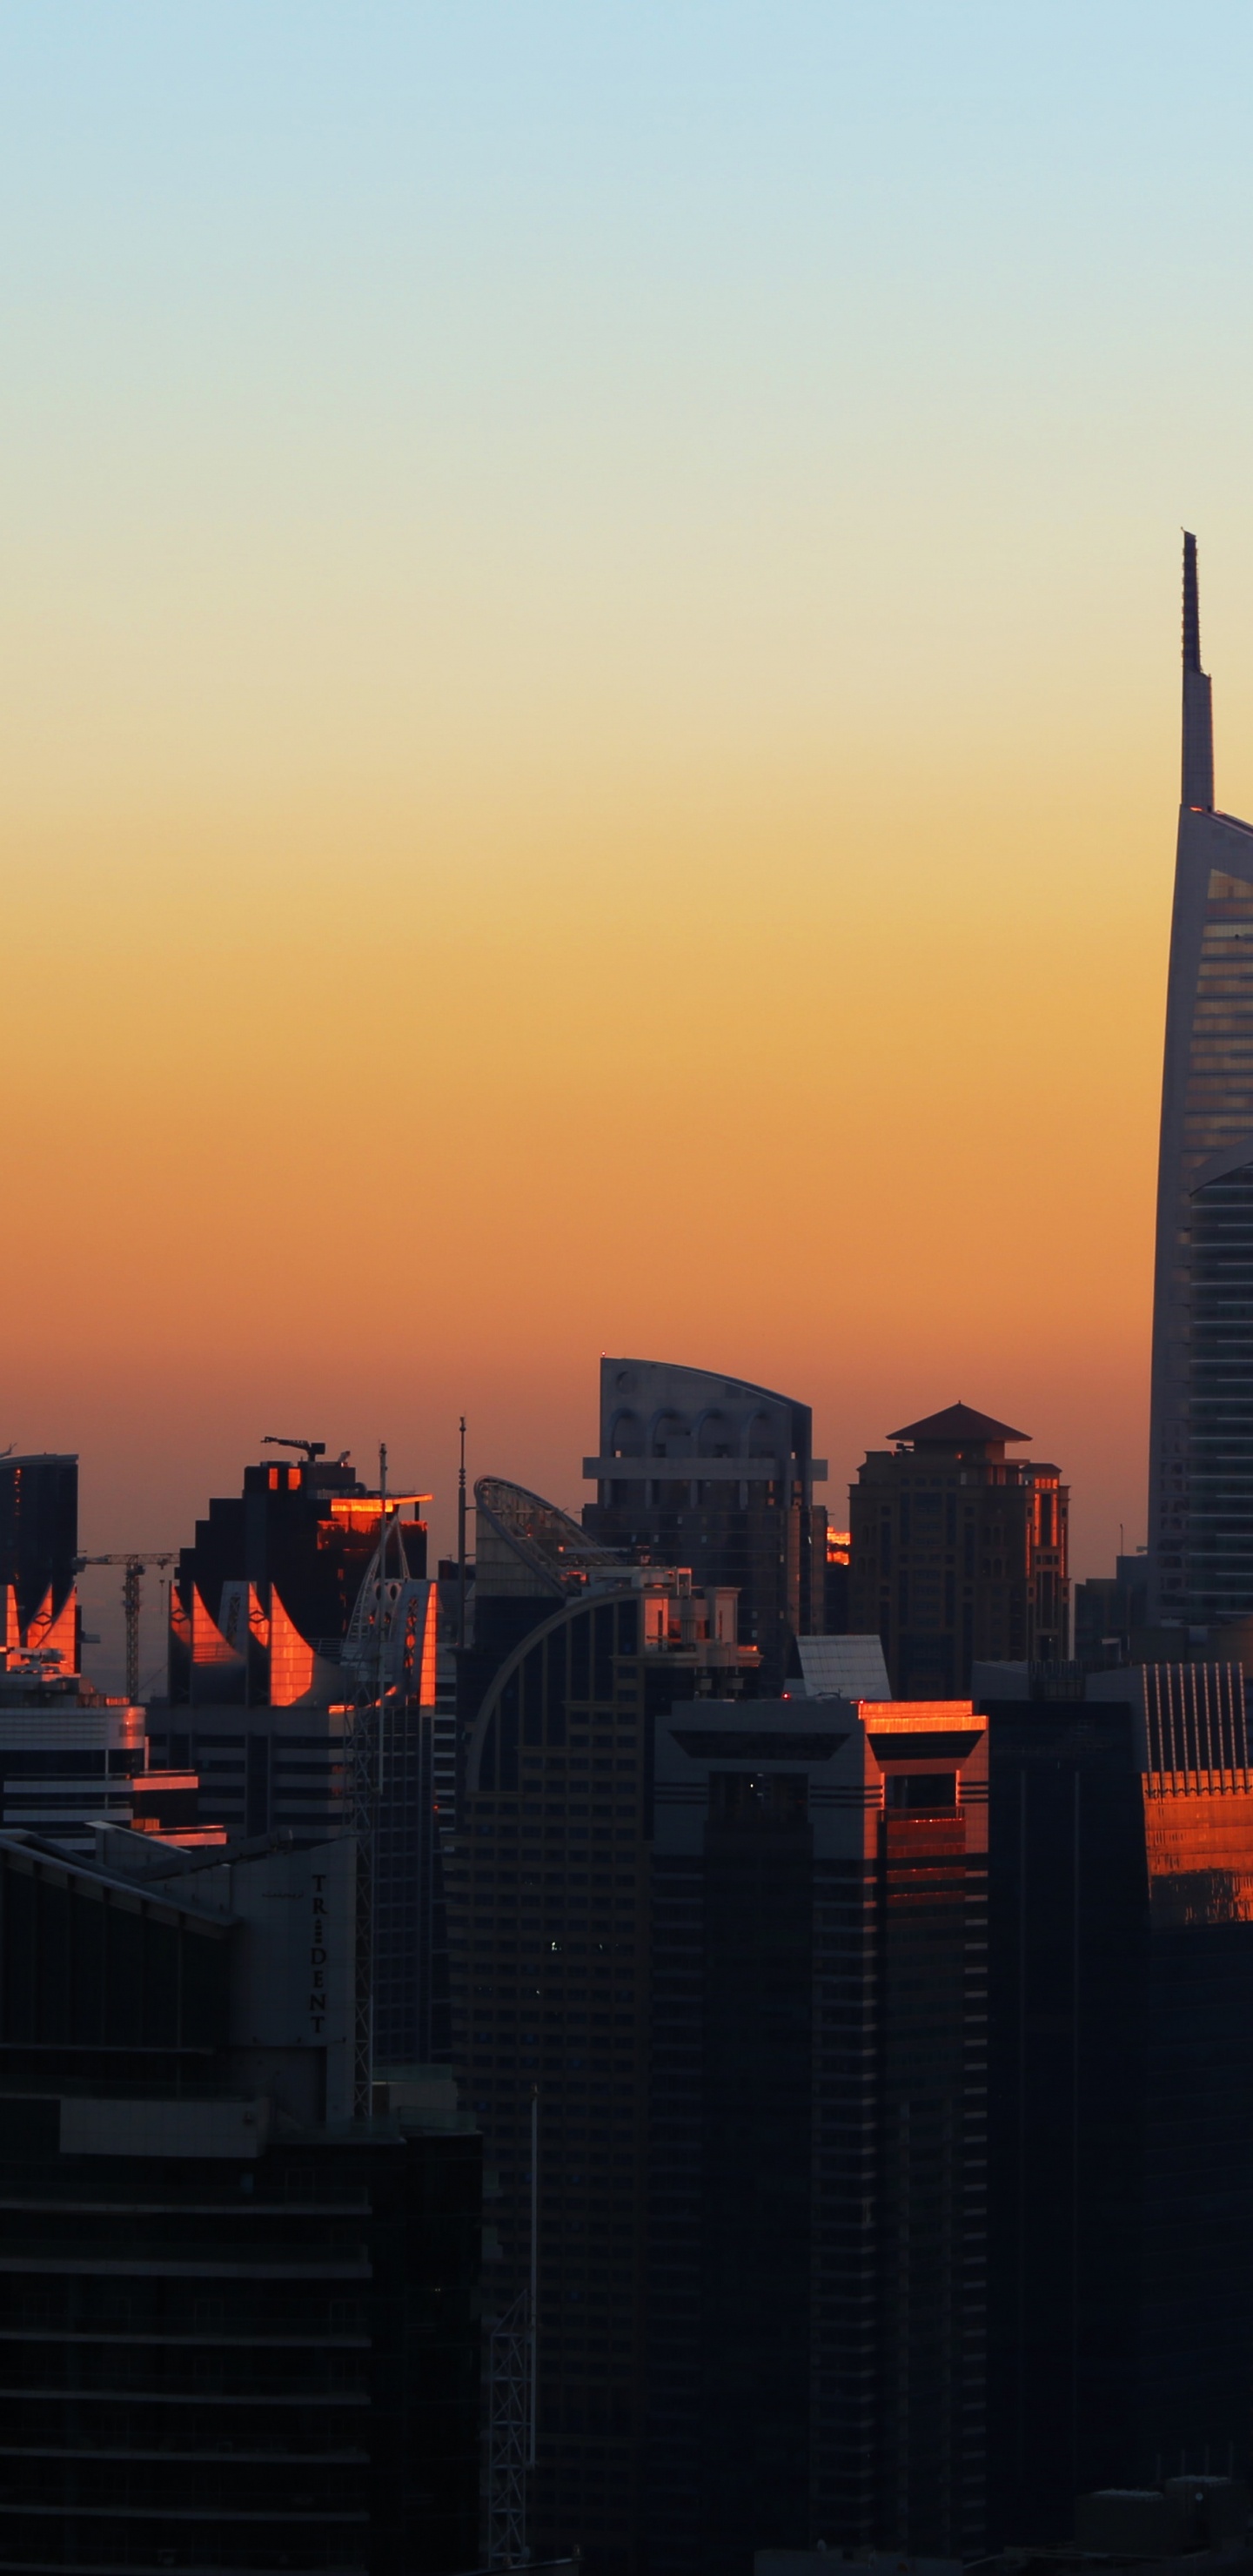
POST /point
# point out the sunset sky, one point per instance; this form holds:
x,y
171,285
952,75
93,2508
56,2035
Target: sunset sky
x,y
589,630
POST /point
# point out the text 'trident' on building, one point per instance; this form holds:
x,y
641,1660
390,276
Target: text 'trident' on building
x,y
954,1545
1201,1439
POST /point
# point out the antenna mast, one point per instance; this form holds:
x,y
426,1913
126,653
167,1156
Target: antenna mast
x,y
461,1539
365,1751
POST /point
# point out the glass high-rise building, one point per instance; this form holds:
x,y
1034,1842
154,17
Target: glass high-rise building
x,y
1201,1440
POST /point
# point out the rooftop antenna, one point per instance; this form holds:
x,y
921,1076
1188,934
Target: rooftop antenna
x,y
365,1744
461,1539
511,2388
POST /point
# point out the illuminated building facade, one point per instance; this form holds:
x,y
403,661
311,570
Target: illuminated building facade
x,y
548,1898
816,2284
38,1553
262,1687
717,1474
1201,1440
958,1552
237,2330
69,1756
1120,2087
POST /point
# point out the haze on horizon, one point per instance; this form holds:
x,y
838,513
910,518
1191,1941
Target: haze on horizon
x,y
589,627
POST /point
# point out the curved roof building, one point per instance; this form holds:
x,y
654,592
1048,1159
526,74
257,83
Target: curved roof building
x,y
1201,1437
716,1473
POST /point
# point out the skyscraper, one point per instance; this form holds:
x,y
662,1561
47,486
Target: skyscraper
x,y
717,1474
1201,1438
737,1949
548,1901
958,1551
271,1612
1120,2084
816,2289
38,1555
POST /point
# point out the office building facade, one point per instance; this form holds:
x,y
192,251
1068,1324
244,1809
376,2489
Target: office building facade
x,y
953,1546
274,1621
1120,2085
695,1469
38,1558
1201,1436
734,1949
1111,1613
548,1896
69,1755
816,2285
236,2330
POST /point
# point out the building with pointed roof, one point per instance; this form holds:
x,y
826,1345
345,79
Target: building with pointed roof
x,y
1201,1437
952,1544
960,1426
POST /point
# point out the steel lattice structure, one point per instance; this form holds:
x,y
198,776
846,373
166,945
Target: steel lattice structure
x,y
510,2449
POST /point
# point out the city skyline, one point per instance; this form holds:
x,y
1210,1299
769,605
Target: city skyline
x,y
574,596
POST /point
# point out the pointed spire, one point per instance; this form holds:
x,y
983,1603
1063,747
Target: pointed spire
x,y
1198,722
1191,607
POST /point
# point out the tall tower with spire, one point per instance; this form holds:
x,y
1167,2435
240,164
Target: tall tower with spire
x,y
1201,1436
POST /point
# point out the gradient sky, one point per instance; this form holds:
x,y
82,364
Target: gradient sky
x,y
589,676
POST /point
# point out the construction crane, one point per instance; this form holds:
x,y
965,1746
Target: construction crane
x,y
279,1440
132,1596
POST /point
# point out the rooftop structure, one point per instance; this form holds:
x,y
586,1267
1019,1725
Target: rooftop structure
x,y
960,1432
716,1473
525,1546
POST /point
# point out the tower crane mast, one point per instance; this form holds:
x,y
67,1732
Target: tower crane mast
x,y
136,1565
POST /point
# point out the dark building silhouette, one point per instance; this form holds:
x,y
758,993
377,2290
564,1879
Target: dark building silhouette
x,y
737,1946
1112,1613
717,1474
265,1667
267,1591
958,1552
1120,2086
38,1556
69,1755
817,2131
237,2331
530,1557
548,1896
